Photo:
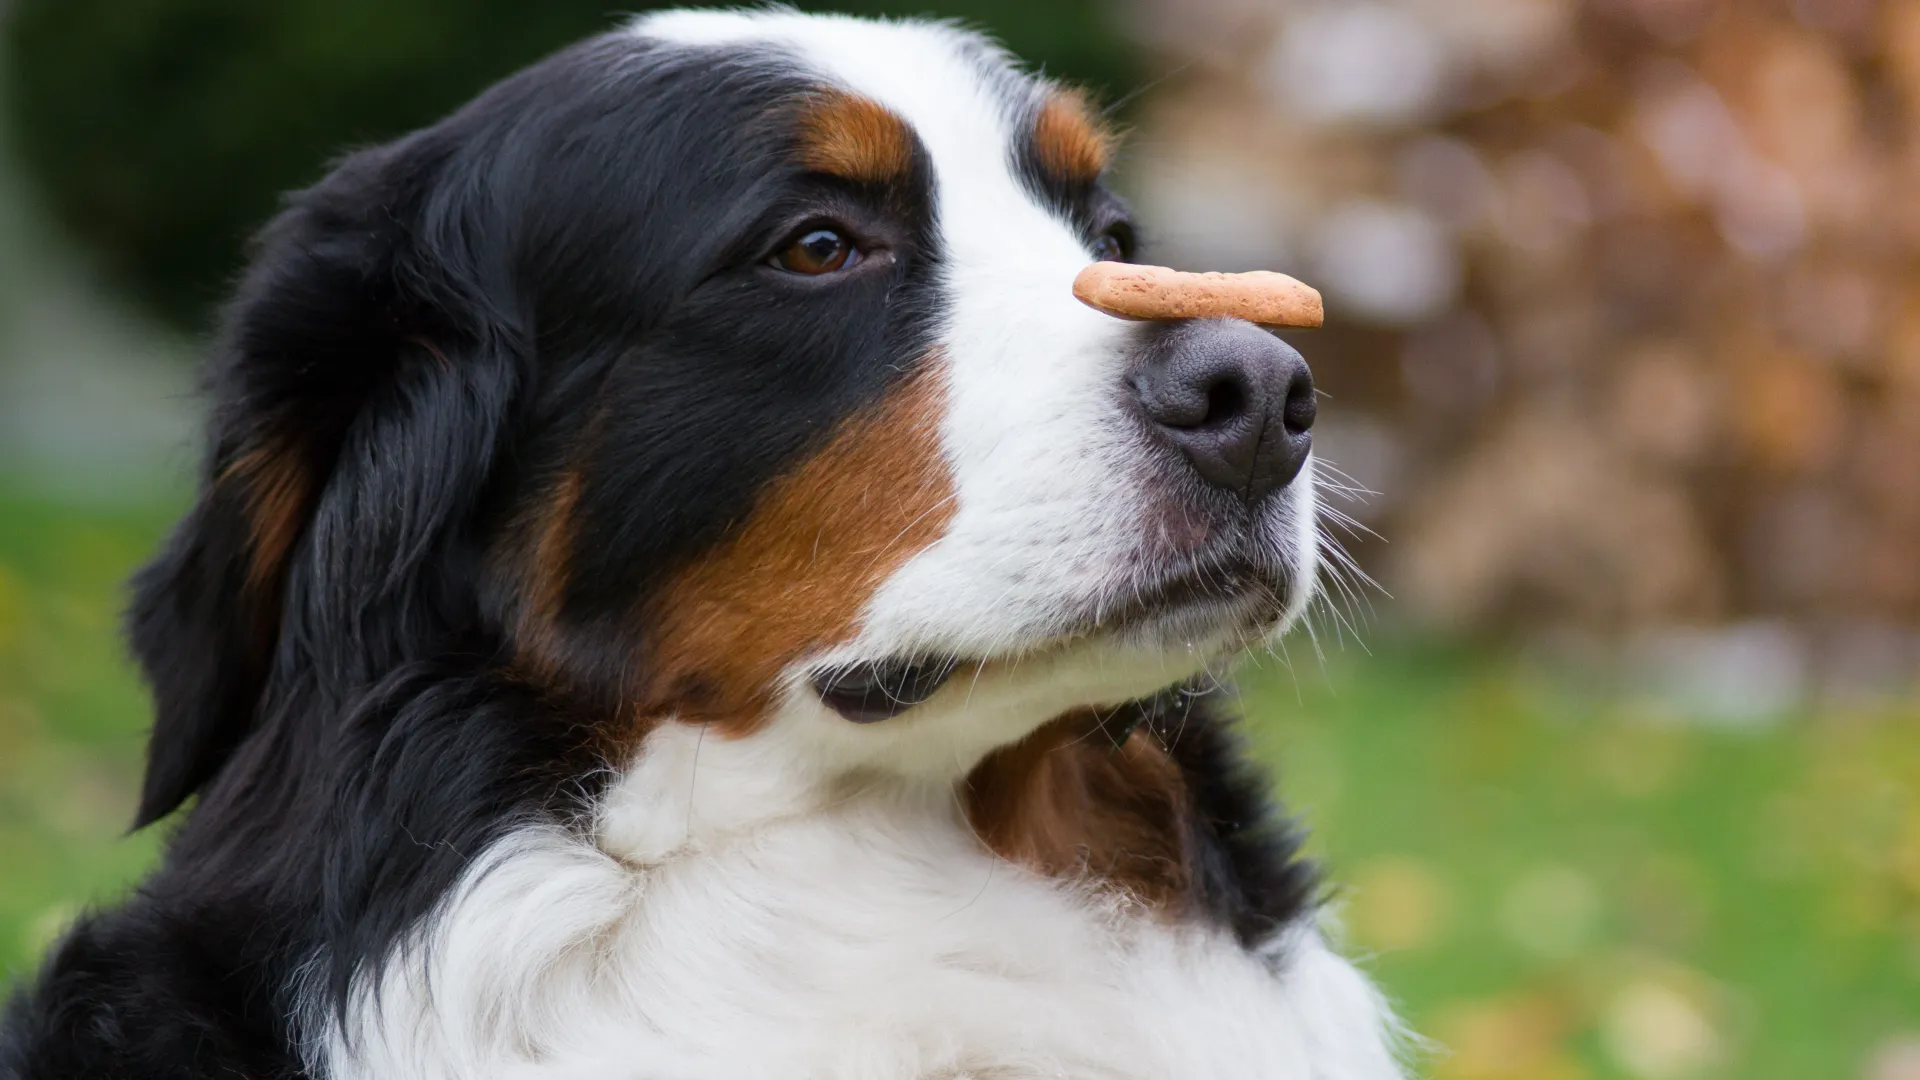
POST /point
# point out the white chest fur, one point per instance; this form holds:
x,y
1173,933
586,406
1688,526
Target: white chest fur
x,y
867,938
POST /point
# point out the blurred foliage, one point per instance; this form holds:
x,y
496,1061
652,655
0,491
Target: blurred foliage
x,y
161,132
1554,884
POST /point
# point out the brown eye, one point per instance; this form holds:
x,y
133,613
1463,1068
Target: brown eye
x,y
820,251
1110,247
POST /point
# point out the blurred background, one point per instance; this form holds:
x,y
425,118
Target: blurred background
x,y
1618,766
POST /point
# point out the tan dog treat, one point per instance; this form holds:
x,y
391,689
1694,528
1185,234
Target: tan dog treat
x,y
1131,291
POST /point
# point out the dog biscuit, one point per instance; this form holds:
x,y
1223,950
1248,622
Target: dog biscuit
x,y
1131,291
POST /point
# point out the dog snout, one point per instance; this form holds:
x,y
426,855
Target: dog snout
x,y
1234,401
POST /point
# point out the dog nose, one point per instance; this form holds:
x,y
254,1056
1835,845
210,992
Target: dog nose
x,y
1235,401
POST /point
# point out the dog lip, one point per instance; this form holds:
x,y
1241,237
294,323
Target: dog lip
x,y
867,693
1221,583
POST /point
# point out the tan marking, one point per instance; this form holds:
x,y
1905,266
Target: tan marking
x,y
1069,140
548,569
274,485
795,575
1064,803
1132,291
855,138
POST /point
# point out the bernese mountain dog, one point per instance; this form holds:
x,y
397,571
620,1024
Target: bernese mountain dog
x,y
681,589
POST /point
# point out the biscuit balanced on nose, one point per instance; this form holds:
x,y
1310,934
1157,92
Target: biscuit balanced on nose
x,y
1130,291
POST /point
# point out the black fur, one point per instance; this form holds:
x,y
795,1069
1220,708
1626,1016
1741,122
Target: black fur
x,y
1249,873
566,274
419,341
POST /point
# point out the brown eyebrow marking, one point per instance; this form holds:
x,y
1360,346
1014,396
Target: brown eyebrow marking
x,y
1069,140
855,138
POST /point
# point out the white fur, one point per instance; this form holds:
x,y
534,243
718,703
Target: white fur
x,y
808,902
858,933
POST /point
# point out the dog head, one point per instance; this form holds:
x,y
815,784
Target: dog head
x,y
725,370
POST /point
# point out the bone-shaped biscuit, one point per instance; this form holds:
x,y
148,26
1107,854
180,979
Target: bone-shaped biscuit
x,y
1131,291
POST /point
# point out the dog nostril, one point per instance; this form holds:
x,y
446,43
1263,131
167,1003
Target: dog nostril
x,y
1226,402
1302,405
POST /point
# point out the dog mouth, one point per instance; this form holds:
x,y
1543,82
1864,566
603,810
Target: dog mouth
x,y
1224,590
867,693
1176,608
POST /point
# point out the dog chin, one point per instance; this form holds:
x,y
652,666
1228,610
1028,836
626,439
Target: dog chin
x,y
1146,651
1193,620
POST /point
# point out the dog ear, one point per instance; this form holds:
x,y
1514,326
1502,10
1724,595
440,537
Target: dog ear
x,y
202,624
356,401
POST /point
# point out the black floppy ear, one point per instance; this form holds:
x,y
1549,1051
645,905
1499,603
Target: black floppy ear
x,y
204,620
206,612
320,463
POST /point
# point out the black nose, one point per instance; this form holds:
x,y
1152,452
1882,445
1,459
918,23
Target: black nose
x,y
1235,400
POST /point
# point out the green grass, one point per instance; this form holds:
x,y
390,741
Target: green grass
x,y
1559,887
72,714
1556,885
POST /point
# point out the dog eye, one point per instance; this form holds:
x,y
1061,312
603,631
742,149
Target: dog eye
x,y
818,251
1114,245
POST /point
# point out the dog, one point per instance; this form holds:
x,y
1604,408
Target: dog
x,y
679,588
